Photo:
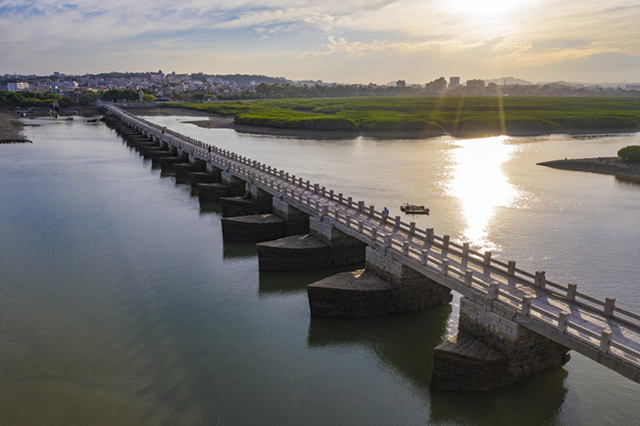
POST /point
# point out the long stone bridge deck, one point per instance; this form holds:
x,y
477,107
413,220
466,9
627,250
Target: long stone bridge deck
x,y
598,329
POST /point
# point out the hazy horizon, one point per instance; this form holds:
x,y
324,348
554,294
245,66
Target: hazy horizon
x,y
357,42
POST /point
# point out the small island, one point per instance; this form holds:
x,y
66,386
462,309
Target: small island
x,y
627,163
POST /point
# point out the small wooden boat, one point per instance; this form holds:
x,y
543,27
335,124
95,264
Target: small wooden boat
x,y
411,209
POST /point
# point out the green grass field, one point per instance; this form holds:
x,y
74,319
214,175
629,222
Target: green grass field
x,y
456,115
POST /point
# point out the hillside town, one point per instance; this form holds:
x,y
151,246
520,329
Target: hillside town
x,y
199,87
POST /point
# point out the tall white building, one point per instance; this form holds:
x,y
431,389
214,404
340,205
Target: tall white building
x,y
17,87
454,82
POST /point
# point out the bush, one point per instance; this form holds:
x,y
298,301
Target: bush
x,y
630,153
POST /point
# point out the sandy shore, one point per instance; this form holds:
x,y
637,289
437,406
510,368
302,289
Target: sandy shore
x,y
604,165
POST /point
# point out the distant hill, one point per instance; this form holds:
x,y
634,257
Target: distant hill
x,y
580,84
509,81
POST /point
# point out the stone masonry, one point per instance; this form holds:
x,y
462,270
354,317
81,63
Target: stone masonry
x,y
297,221
485,320
385,287
345,250
411,291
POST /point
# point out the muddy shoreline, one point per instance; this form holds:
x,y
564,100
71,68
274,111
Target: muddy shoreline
x,y
602,165
10,126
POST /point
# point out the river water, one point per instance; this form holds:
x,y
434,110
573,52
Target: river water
x,y
120,303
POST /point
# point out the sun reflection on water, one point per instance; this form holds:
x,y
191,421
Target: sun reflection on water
x,y
480,185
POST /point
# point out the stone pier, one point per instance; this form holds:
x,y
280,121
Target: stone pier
x,y
491,350
200,177
345,250
324,247
167,163
182,171
295,253
212,191
241,206
297,221
385,287
237,186
215,172
254,228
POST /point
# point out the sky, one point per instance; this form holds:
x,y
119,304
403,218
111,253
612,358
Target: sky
x,y
355,41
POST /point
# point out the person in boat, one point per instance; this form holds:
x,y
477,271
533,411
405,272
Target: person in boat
x,y
385,215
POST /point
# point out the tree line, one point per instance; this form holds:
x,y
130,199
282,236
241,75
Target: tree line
x,y
28,99
281,91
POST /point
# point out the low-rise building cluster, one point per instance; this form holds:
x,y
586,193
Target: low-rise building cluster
x,y
162,86
202,87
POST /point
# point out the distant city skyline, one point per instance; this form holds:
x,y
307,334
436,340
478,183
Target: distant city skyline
x,y
347,42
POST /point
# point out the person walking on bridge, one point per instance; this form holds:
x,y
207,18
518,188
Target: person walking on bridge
x,y
385,215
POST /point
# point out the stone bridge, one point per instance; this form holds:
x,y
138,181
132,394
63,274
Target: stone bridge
x,y
513,323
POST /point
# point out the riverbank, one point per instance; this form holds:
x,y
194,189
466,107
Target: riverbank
x,y
228,123
603,165
222,122
10,127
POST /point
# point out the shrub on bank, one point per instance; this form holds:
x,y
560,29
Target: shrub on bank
x,y
630,153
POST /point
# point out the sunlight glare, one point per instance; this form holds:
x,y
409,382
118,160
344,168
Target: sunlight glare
x,y
480,185
489,7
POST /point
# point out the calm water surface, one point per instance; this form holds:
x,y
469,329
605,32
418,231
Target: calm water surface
x,y
121,305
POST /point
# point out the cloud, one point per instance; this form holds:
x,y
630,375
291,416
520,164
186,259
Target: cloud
x,y
438,47
524,34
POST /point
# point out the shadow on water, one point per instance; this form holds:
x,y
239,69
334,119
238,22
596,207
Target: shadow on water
x,y
278,283
403,342
628,180
534,401
238,250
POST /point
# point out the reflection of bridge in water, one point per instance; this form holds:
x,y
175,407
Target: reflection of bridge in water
x,y
513,323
